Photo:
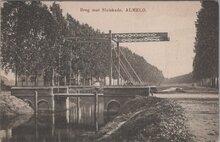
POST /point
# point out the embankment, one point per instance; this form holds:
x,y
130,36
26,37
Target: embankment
x,y
147,119
12,106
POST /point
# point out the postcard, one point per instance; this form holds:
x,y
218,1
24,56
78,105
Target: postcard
x,y
109,71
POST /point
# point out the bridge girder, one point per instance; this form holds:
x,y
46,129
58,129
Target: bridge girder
x,y
124,37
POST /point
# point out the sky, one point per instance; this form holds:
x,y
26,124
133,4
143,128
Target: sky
x,y
174,57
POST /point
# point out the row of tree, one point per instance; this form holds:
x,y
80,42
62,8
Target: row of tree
x,y
34,43
205,63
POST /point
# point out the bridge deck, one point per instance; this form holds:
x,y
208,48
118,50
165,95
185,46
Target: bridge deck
x,y
132,86
89,95
83,90
77,94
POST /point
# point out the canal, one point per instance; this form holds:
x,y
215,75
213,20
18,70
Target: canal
x,y
62,126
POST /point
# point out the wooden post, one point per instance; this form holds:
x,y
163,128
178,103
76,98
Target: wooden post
x,y
110,48
36,105
118,49
96,103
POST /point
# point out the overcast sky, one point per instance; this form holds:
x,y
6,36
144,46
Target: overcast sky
x,y
178,18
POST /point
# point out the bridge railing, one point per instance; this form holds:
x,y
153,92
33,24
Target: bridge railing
x,y
76,89
60,90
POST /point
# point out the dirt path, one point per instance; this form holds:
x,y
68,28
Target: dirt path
x,y
202,112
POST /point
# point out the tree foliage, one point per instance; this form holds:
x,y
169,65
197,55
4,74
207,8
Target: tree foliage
x,y
205,64
33,42
26,36
147,72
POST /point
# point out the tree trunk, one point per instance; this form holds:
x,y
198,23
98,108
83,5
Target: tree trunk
x,y
26,80
104,80
91,79
35,81
16,77
52,79
65,80
84,81
77,78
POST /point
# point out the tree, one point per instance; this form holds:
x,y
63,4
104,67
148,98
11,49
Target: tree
x,y
25,37
205,64
147,73
34,43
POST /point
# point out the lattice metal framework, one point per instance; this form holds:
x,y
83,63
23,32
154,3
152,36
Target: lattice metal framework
x,y
140,37
124,37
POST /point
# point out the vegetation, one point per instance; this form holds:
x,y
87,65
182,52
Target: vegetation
x,y
12,106
147,119
205,63
33,43
186,78
147,72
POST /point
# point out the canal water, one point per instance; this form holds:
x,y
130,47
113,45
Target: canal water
x,y
62,126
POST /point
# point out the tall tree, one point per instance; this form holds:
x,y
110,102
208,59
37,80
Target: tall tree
x,y
34,42
205,64
25,34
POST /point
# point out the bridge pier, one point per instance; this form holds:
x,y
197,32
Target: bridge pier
x,y
61,103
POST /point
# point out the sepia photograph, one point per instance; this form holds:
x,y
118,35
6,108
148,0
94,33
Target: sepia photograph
x,y
109,71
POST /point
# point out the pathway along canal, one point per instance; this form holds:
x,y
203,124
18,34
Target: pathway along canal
x,y
61,126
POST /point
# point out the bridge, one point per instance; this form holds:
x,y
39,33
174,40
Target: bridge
x,y
56,98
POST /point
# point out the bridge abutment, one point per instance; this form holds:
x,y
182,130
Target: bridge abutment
x,y
45,97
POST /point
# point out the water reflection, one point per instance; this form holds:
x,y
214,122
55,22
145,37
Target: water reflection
x,y
7,123
62,126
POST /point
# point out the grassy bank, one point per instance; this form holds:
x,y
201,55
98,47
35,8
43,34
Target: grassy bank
x,y
11,106
147,119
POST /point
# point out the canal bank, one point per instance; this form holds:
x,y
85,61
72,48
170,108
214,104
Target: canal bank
x,y
147,119
140,119
12,106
